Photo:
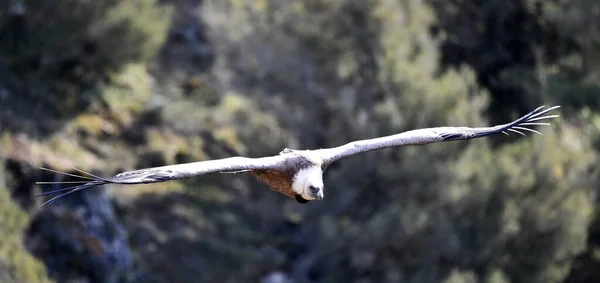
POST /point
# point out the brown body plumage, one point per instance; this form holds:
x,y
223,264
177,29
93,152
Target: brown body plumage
x,y
276,180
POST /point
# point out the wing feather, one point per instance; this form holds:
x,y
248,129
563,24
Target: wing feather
x,y
433,135
169,172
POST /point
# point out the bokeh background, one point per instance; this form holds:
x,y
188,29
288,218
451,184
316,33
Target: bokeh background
x,y
116,85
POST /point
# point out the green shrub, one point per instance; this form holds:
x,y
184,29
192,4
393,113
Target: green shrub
x,y
16,264
60,51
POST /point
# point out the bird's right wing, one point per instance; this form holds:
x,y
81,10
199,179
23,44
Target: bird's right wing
x,y
437,134
166,173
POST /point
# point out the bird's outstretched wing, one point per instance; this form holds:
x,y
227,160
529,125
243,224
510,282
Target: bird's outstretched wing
x,y
438,134
166,173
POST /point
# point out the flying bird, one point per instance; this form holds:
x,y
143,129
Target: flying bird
x,y
297,174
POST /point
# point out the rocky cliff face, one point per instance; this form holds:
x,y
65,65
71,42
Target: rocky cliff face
x,y
81,239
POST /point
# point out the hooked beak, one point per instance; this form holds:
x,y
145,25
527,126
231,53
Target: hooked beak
x,y
319,195
316,192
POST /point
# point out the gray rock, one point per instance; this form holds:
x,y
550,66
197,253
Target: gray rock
x,y
79,238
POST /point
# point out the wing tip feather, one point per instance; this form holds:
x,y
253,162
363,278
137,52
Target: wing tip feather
x,y
85,182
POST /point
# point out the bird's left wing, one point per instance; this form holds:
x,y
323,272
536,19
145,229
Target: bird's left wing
x,y
166,173
438,134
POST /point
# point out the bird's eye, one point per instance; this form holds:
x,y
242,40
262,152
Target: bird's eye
x,y
313,189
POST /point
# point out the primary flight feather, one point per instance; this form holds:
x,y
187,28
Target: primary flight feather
x,y
297,173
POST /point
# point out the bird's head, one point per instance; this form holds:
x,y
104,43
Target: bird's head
x,y
308,184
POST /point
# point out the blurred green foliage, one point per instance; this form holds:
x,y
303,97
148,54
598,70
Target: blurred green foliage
x,y
16,263
526,51
59,54
311,74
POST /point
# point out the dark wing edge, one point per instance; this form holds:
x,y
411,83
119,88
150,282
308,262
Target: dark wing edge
x,y
159,174
516,126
